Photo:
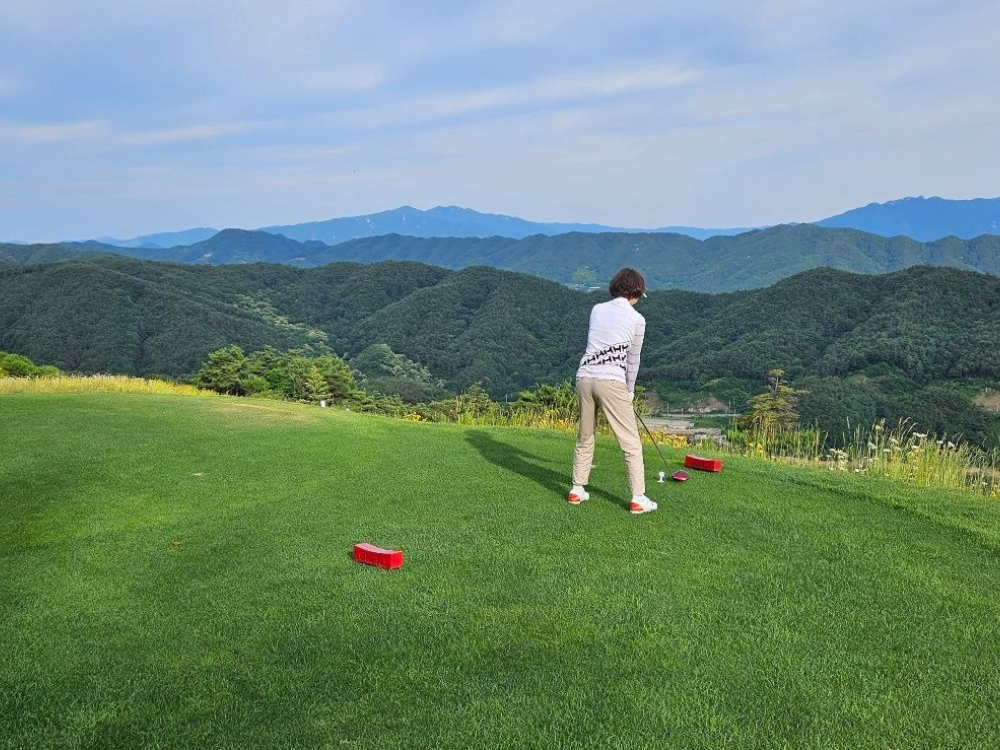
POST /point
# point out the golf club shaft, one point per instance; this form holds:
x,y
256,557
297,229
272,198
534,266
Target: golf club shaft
x,y
651,438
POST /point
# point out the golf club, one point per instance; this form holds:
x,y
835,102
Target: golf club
x,y
652,439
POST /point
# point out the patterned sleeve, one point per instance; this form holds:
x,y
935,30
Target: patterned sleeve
x,y
632,368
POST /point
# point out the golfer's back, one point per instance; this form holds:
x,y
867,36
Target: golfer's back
x,y
616,331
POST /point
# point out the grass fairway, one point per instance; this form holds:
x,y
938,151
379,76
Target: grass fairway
x,y
176,572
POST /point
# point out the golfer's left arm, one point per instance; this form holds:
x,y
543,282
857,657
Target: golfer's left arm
x,y
632,365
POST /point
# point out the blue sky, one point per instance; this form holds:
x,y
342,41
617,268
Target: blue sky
x,y
125,118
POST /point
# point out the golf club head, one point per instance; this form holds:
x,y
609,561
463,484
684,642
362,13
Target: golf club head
x,y
681,476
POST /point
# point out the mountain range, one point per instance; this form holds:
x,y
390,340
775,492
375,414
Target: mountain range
x,y
920,218
162,239
750,260
441,221
453,221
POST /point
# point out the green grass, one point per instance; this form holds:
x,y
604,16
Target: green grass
x,y
710,421
176,572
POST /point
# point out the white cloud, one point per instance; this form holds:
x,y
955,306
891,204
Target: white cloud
x,y
756,112
103,135
558,89
191,133
340,79
61,19
44,133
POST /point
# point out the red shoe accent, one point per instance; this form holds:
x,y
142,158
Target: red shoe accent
x,y
575,499
636,508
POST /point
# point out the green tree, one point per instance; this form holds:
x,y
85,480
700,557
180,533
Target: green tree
x,y
338,381
263,361
475,401
560,398
774,411
254,384
264,372
306,382
17,366
225,371
316,386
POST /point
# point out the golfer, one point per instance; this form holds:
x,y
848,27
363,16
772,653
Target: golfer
x,y
606,378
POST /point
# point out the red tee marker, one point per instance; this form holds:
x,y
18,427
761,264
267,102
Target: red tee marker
x,y
369,554
705,464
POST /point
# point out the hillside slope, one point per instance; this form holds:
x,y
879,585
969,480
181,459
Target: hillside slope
x,y
52,252
142,318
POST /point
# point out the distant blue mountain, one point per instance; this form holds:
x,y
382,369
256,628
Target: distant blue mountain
x,y
162,239
698,233
924,219
442,221
453,221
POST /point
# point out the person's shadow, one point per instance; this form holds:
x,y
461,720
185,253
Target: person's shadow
x,y
526,464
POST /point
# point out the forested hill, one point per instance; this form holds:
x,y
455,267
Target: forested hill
x,y
52,252
863,343
669,261
672,261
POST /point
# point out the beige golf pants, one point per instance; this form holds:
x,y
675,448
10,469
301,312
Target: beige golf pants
x,y
613,398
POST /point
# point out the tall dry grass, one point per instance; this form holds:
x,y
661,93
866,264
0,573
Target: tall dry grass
x,y
900,453
98,384
903,454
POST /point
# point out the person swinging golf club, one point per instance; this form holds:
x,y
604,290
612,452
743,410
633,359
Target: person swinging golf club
x,y
606,379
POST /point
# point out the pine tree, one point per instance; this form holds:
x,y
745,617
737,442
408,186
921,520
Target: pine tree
x,y
224,371
774,411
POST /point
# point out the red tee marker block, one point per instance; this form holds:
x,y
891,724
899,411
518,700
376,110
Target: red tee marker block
x,y
705,464
369,554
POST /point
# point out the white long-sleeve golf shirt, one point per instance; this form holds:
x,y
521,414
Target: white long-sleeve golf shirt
x,y
614,343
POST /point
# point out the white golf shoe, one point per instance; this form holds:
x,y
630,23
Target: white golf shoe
x,y
641,504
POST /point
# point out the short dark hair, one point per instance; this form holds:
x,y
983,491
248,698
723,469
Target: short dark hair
x,y
627,283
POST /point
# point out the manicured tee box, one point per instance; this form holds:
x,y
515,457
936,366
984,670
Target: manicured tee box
x,y
369,554
705,464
